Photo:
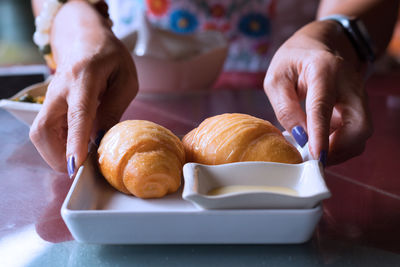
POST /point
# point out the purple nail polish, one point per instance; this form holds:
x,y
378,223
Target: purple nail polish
x,y
323,157
99,136
300,135
71,166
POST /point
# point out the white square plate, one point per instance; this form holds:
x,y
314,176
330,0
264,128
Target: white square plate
x,y
95,212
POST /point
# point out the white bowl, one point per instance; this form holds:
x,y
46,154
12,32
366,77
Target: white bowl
x,y
195,74
23,111
173,63
305,179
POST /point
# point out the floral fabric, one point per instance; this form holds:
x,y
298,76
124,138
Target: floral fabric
x,y
248,25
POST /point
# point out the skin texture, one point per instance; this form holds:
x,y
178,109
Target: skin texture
x,y
96,80
305,69
319,66
94,83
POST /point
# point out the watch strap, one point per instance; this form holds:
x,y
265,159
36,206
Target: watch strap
x,y
357,34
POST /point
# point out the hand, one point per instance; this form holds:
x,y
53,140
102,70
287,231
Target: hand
x,y
319,65
94,83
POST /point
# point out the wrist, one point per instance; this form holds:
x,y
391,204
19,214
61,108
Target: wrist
x,y
61,23
76,28
333,36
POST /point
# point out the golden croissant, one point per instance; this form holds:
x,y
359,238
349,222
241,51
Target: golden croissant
x,y
141,158
237,137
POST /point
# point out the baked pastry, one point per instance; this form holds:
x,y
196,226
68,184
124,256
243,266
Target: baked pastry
x,y
141,158
236,137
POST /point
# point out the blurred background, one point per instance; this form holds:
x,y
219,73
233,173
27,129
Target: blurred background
x,y
18,49
20,61
16,30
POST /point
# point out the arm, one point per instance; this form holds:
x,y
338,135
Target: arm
x,y
379,16
94,82
319,65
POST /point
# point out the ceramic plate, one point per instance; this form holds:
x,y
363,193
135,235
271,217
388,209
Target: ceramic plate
x,y
256,185
94,212
25,112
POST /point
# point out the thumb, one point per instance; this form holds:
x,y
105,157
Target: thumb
x,y
355,124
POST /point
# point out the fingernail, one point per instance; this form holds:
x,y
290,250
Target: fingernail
x,y
300,135
71,166
323,157
99,136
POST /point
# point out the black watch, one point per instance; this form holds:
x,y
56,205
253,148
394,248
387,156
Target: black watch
x,y
357,34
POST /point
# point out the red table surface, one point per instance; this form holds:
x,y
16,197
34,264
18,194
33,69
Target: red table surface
x,y
364,208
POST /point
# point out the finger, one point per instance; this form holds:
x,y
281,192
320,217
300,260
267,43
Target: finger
x,y
82,105
113,104
336,119
280,87
320,101
356,125
49,131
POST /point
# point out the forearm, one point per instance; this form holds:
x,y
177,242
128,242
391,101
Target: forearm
x,y
76,27
379,16
37,6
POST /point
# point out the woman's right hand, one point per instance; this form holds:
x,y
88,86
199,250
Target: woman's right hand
x,y
94,83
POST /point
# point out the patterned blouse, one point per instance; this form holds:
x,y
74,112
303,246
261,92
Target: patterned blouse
x,y
255,29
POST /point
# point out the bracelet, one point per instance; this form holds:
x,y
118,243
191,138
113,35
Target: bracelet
x,y
43,23
357,34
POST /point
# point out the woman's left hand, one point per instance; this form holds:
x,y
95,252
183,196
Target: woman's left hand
x,y
319,65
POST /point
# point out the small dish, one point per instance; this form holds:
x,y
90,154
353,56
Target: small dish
x,y
305,179
23,111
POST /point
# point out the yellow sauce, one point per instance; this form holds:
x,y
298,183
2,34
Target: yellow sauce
x,y
252,188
